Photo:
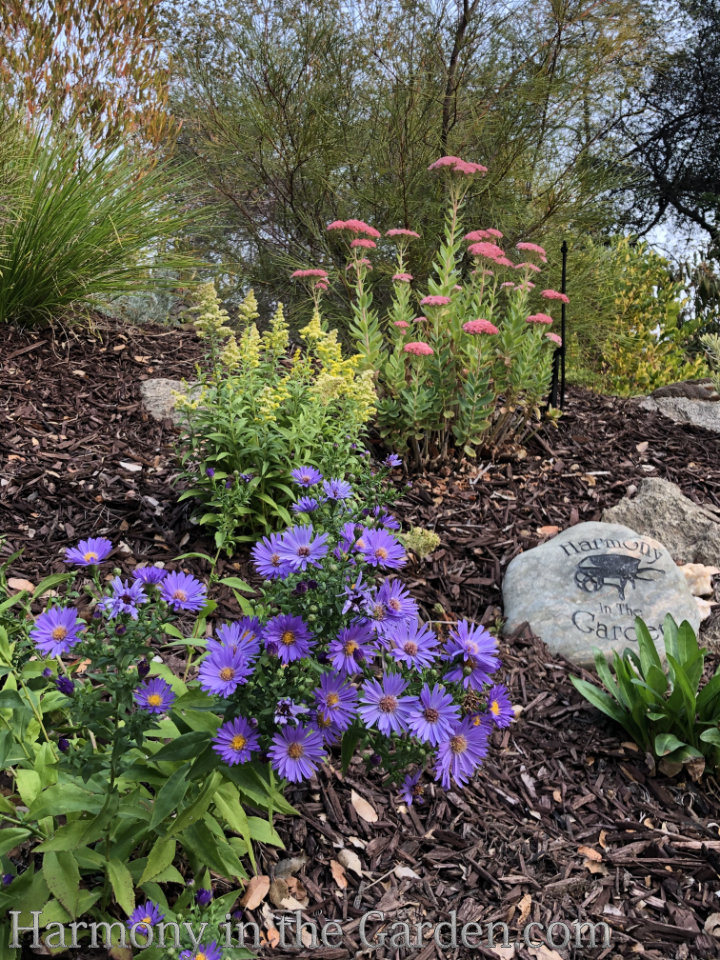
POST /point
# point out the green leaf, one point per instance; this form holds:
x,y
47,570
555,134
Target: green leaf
x,y
264,832
602,701
122,884
72,835
170,796
12,837
712,735
160,857
237,584
62,876
186,747
350,740
665,743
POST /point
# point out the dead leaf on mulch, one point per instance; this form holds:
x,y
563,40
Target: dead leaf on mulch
x,y
350,860
712,925
18,583
363,808
255,892
338,874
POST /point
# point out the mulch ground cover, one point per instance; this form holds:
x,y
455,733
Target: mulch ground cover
x,y
565,821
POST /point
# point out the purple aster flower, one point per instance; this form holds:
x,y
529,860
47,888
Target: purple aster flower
x,y
143,668
473,653
266,557
223,671
155,696
235,741
203,897
63,744
183,592
243,635
291,636
396,601
411,790
382,705
352,646
47,672
392,460
229,482
337,700
434,715
56,631
286,711
381,549
300,547
245,477
347,538
145,916
210,472
412,643
7,879
89,552
385,519
296,752
306,476
210,951
150,575
305,505
65,685
337,489
500,709
125,598
461,753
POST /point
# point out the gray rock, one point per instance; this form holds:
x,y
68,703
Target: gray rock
x,y
158,397
697,413
692,389
690,532
582,590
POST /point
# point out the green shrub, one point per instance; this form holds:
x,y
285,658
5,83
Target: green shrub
x,y
77,224
661,707
259,413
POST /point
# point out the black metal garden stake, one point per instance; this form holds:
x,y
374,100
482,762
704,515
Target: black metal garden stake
x,y
557,388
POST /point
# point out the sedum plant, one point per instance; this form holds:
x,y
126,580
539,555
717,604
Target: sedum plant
x,y
662,706
464,363
259,411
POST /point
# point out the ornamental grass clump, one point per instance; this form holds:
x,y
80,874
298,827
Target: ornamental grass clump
x,y
463,361
260,409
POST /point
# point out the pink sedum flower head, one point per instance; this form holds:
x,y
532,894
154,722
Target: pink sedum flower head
x,y
402,232
420,320
456,165
321,285
401,324
528,266
526,285
402,277
556,338
507,284
435,300
555,295
539,318
337,225
316,273
532,248
359,226
480,326
476,235
491,251
504,262
363,262
444,162
364,243
418,348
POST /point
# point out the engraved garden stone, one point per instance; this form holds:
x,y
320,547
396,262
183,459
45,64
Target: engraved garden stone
x,y
583,589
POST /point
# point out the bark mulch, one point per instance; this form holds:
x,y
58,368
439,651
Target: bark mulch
x,y
564,822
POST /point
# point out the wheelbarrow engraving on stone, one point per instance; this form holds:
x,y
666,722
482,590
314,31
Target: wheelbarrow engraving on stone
x,y
611,570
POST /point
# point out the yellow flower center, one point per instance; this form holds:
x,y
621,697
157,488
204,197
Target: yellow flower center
x,y
323,721
333,700
495,708
147,920
381,553
288,638
227,673
59,633
155,699
90,556
350,648
238,742
458,744
200,956
295,751
180,595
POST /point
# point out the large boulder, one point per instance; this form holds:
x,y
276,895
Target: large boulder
x,y
681,409
660,509
582,590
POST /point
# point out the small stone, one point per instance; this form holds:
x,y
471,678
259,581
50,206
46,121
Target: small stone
x,y
582,590
698,413
160,400
699,578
